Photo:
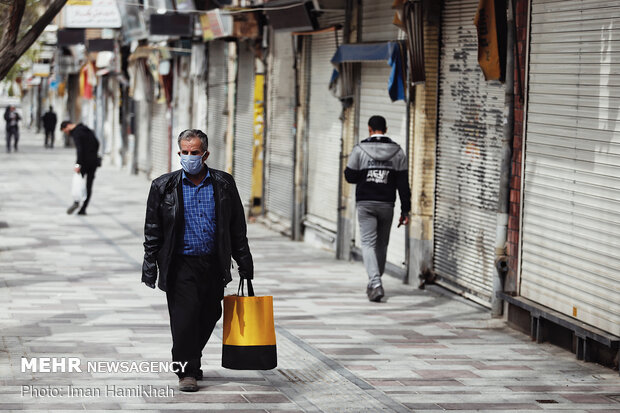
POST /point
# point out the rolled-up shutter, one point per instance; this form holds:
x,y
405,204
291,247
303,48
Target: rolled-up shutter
x,y
217,106
571,201
160,149
377,17
468,153
244,123
280,142
324,131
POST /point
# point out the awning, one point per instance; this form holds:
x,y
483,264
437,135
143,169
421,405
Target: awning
x,y
391,52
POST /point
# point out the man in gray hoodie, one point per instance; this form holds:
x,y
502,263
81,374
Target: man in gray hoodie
x,y
378,166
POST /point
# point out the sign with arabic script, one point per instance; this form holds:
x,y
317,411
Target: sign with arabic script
x,y
100,14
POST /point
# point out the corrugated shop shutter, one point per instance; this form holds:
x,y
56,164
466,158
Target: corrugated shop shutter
x,y
182,118
377,17
324,131
160,151
244,123
468,154
199,104
374,100
280,142
571,201
198,70
217,108
142,124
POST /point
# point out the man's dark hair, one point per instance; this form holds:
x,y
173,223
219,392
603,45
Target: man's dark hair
x,y
64,124
189,134
377,123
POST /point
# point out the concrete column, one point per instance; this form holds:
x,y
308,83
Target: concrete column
x,y
346,213
422,155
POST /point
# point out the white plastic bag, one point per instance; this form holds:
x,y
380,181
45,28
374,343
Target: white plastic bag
x,y
78,187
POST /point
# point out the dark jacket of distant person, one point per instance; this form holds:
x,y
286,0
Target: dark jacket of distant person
x,y
49,121
11,118
87,146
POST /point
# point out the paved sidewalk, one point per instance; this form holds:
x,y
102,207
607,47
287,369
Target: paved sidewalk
x,y
69,287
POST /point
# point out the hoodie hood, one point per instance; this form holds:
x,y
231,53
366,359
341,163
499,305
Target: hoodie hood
x,y
383,150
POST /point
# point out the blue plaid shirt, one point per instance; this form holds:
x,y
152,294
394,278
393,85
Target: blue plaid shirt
x,y
199,213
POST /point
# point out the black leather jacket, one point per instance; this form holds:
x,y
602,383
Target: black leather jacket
x,y
164,224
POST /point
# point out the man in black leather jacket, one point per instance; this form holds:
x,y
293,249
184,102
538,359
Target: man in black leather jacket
x,y
194,223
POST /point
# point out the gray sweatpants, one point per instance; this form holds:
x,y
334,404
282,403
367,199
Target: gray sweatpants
x,y
375,219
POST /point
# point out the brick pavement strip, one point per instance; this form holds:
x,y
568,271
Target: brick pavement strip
x,y
69,287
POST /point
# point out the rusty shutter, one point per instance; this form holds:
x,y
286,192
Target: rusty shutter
x,y
468,153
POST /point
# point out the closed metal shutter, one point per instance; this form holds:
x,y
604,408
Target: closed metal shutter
x,y
160,150
199,104
324,132
280,143
217,107
374,100
143,137
377,17
571,200
198,70
244,123
468,154
182,118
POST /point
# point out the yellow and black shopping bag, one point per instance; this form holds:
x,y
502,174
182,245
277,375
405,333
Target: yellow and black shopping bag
x,y
249,341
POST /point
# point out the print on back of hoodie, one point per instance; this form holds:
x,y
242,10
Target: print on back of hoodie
x,y
378,166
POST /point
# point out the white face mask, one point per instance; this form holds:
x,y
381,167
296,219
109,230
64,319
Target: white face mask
x,y
192,164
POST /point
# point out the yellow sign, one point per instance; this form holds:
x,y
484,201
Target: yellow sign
x,y
79,2
258,147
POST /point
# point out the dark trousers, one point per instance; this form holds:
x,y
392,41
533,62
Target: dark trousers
x,y
12,133
49,138
90,177
194,303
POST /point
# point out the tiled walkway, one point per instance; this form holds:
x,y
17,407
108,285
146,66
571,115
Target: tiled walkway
x,y
70,287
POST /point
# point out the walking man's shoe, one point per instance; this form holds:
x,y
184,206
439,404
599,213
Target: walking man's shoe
x,y
73,207
188,384
82,212
375,294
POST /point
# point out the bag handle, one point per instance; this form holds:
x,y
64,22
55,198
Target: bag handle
x,y
240,291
